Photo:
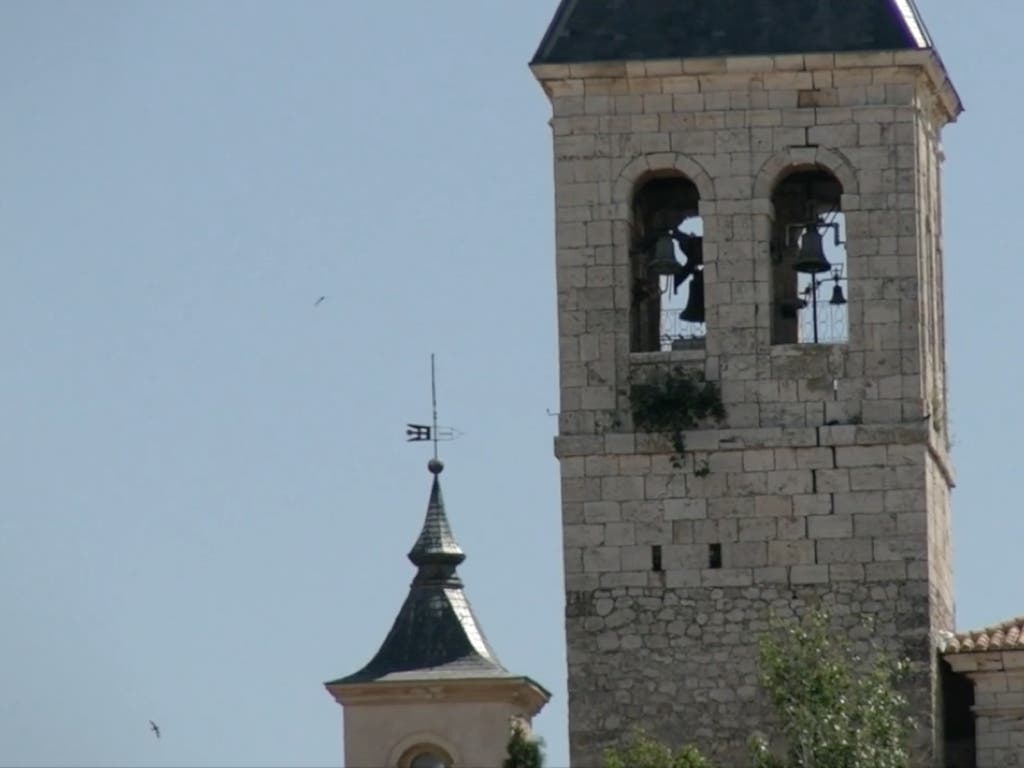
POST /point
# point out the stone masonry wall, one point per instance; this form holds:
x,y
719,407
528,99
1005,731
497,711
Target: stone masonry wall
x,y
828,482
837,523
998,678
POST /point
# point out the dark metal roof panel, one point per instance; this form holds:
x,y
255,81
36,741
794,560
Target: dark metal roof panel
x,y
435,636
436,542
637,30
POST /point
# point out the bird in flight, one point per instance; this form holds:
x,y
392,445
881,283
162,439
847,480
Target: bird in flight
x,y
317,302
154,728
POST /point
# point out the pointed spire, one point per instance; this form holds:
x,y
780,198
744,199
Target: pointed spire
x,y
436,633
436,545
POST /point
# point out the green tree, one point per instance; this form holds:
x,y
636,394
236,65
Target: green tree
x,y
643,751
834,712
523,752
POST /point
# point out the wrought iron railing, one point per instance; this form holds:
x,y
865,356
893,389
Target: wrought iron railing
x,y
677,333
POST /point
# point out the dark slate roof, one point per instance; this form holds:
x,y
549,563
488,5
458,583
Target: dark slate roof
x,y
436,542
435,636
632,30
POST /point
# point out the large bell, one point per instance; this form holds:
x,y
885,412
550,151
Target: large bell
x,y
664,261
837,299
693,312
811,259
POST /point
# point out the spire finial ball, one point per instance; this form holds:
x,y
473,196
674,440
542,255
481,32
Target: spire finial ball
x,y
435,466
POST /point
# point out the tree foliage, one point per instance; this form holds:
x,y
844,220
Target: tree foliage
x,y
523,752
834,711
643,751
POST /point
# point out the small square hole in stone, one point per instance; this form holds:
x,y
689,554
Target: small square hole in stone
x,y
656,557
714,555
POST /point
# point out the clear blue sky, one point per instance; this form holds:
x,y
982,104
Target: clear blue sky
x,y
206,496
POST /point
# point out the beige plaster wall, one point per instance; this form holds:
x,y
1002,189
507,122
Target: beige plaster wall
x,y
474,733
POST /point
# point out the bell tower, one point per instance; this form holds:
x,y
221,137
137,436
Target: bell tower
x,y
748,209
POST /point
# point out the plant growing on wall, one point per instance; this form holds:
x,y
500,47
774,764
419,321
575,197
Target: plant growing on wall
x,y
523,752
669,401
643,751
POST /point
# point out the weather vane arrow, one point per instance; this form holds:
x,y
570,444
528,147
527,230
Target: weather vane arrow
x,y
419,433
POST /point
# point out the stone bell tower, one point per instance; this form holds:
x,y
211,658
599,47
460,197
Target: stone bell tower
x,y
747,192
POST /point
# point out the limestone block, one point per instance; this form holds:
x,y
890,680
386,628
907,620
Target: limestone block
x,y
797,552
746,554
813,504
874,524
860,456
809,574
790,481
727,577
715,531
846,572
582,535
742,484
686,509
829,526
757,529
872,478
900,548
573,559
653,532
601,511
682,532
682,578
601,559
622,488
772,506
885,571
771,575
636,558
619,534
730,506
845,551
619,443
814,458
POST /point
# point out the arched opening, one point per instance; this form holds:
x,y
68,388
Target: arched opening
x,y
809,269
425,756
667,262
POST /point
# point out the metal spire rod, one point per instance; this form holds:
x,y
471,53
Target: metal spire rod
x,y
417,433
433,400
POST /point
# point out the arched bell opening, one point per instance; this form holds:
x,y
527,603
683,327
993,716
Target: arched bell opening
x,y
667,261
809,266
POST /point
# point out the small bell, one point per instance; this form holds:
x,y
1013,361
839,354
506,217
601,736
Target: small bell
x,y
664,261
811,258
838,299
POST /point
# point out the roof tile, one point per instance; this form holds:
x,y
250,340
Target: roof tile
x,y
632,30
1008,636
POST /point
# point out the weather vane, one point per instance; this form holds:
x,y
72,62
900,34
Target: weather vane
x,y
417,433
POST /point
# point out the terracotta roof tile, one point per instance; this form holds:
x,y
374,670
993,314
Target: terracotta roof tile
x,y
1007,636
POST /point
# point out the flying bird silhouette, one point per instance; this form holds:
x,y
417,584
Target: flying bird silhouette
x,y
154,728
317,302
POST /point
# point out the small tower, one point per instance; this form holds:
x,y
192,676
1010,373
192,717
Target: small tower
x,y
746,192
435,694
